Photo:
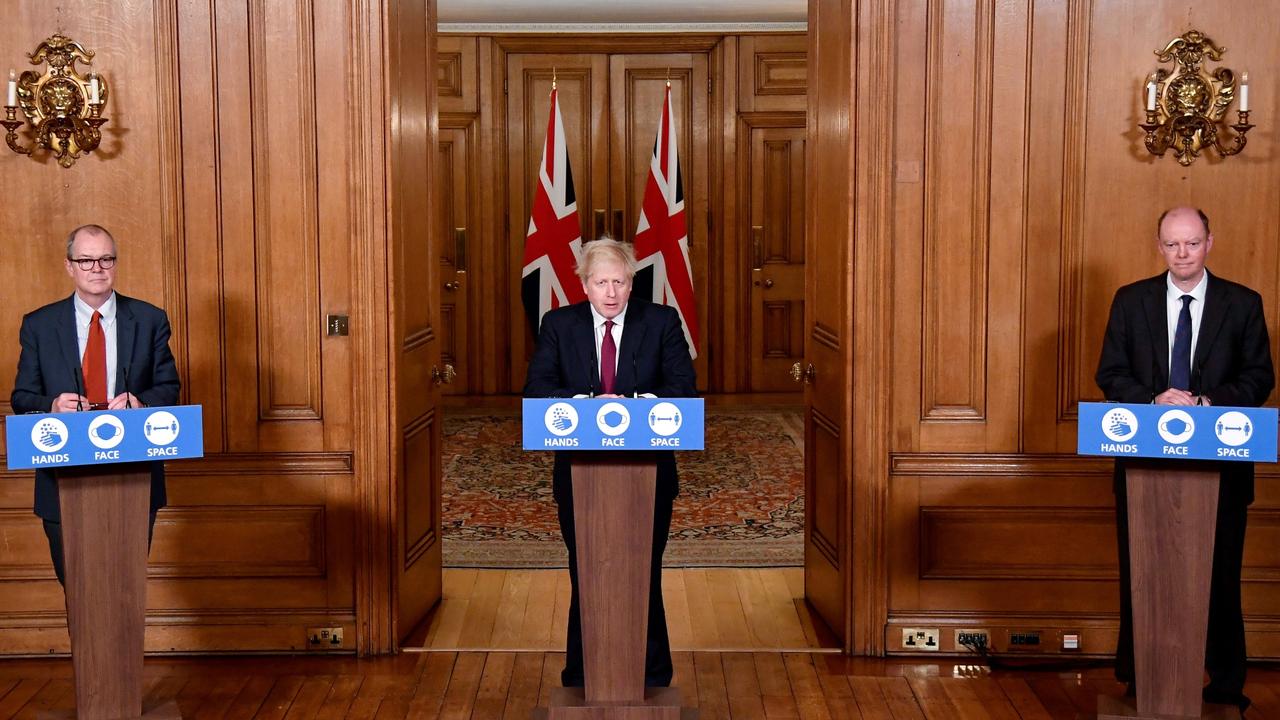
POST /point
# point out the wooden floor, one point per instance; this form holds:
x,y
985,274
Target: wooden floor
x,y
713,609
495,686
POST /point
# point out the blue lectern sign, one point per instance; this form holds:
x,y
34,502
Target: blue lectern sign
x,y
613,424
104,436
1244,434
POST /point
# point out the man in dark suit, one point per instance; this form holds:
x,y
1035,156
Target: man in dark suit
x,y
613,345
1220,354
94,350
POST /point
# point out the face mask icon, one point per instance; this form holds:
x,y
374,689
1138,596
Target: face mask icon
x,y
1176,426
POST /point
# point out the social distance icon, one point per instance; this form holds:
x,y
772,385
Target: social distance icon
x,y
1233,428
161,428
665,419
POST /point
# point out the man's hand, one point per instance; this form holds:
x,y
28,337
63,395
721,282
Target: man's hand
x,y
1174,396
69,402
119,402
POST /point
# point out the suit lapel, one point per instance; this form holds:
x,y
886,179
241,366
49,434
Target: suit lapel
x,y
1216,302
69,343
1156,309
584,342
126,330
633,330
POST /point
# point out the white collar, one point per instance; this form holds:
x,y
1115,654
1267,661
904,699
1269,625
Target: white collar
x,y
597,319
84,313
1198,292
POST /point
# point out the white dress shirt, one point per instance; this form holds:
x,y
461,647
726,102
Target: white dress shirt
x,y
84,316
1173,308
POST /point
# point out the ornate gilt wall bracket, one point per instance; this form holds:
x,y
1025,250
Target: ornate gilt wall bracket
x,y
63,107
1185,108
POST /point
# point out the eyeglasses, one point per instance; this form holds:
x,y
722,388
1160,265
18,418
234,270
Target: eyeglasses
x,y
86,264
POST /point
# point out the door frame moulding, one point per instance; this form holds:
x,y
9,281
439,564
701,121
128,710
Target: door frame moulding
x,y
869,394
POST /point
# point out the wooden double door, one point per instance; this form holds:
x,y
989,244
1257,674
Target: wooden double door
x,y
611,106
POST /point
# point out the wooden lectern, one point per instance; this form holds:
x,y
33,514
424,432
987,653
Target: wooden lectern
x,y
613,497
105,514
1172,515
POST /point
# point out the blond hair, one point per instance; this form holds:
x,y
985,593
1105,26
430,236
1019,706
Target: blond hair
x,y
605,249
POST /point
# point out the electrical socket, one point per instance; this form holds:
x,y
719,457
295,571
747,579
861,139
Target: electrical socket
x,y
965,638
920,639
1024,639
1072,640
324,638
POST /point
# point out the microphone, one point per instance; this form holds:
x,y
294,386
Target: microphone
x,y
77,372
594,372
635,377
127,404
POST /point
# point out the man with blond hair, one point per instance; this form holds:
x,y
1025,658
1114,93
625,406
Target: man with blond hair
x,y
613,345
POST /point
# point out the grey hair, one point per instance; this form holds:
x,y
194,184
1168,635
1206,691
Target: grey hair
x,y
92,230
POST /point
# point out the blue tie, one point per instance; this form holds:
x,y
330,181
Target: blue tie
x,y
1180,362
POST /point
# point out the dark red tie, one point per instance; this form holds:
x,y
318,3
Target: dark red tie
x,y
608,359
95,361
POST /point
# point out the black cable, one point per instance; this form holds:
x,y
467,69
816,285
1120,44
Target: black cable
x,y
996,662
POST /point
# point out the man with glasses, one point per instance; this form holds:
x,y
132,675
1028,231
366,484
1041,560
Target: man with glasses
x,y
94,350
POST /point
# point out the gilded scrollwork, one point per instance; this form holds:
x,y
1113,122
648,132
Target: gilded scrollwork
x,y
1186,106
62,106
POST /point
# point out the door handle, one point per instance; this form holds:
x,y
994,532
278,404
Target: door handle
x,y
768,283
452,285
805,374
445,376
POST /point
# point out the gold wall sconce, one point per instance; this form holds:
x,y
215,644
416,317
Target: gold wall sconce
x,y
63,107
1185,109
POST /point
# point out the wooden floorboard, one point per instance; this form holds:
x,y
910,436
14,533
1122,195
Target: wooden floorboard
x,y
509,685
708,609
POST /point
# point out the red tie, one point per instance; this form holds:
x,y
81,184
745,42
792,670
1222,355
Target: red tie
x,y
608,359
95,361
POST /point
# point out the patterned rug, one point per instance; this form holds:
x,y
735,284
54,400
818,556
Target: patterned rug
x,y
741,501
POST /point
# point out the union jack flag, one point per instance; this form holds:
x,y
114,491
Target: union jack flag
x,y
553,244
662,236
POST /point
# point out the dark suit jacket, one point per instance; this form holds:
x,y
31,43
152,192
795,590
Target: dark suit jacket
x,y
1231,366
652,358
50,365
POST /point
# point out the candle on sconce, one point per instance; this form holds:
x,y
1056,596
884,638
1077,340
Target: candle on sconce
x,y
12,96
1244,92
1151,94
93,90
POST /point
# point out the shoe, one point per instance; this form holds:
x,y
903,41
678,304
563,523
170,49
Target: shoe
x,y
1220,697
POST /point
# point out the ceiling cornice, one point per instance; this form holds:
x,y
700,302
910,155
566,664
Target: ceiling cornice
x,y
619,28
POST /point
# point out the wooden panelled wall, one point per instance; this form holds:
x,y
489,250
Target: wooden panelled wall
x,y
1021,197
739,103
244,175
